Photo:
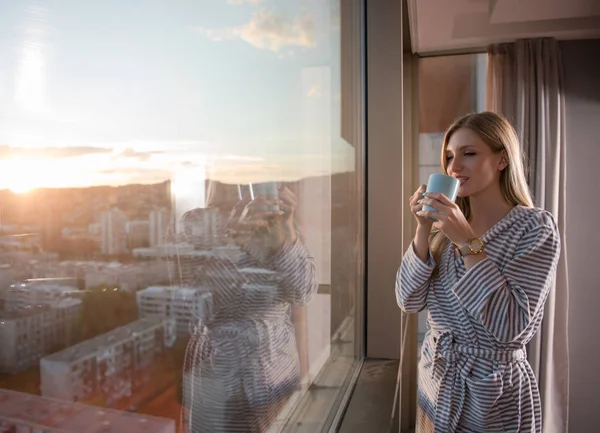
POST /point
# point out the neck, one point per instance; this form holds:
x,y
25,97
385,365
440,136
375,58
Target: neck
x,y
487,208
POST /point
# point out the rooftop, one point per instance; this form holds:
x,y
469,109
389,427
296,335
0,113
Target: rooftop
x,y
97,344
169,291
70,417
81,263
41,287
65,303
23,312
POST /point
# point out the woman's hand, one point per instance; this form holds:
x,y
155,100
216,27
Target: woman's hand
x,y
264,226
288,202
450,218
416,205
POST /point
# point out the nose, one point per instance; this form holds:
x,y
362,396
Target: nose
x,y
455,166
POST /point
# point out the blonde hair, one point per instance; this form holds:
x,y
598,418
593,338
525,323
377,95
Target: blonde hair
x,y
500,136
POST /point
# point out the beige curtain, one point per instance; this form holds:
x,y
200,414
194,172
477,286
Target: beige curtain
x,y
525,84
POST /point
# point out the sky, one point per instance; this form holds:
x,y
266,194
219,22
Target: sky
x,y
109,92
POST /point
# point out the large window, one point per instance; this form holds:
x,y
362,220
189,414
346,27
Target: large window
x,y
181,214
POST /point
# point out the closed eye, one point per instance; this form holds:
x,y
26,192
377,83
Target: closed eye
x,y
449,157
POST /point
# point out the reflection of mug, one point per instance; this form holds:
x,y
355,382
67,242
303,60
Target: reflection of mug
x,y
267,191
445,184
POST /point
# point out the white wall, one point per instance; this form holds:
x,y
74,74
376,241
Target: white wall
x,y
582,90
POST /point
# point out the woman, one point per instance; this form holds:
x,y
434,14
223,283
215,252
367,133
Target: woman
x,y
242,362
483,271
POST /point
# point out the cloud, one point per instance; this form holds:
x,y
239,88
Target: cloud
x,y
268,30
241,2
136,174
230,157
134,154
50,152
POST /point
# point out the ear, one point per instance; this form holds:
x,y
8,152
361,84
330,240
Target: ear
x,y
503,163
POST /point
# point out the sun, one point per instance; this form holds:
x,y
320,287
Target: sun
x,y
21,176
23,188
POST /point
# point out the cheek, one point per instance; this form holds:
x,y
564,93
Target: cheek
x,y
484,168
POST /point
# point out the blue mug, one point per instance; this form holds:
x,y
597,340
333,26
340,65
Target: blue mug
x,y
443,183
268,191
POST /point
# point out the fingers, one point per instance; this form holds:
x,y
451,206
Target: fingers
x,y
258,206
259,223
440,208
430,215
441,216
416,207
286,209
437,205
287,202
260,217
288,197
260,212
266,211
438,201
442,198
414,199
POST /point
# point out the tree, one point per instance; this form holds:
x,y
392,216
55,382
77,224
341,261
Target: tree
x,y
106,308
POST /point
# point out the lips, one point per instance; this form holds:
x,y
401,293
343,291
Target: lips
x,y
462,179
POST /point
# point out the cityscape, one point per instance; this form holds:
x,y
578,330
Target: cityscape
x,y
89,312
99,290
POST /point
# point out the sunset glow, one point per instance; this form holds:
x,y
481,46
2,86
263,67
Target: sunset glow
x,y
76,117
22,189
21,176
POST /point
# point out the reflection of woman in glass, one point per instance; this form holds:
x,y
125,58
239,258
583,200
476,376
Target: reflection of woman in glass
x,y
484,275
242,362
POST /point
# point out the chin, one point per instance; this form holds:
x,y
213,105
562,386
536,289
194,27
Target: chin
x,y
462,192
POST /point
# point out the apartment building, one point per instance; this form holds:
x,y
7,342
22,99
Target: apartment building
x,y
138,234
111,366
113,274
113,228
31,294
159,220
25,413
129,277
163,250
27,334
6,276
183,305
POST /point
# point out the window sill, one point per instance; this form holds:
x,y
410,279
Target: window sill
x,y
321,404
370,407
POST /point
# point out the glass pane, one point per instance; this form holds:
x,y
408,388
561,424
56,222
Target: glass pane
x,y
461,81
181,214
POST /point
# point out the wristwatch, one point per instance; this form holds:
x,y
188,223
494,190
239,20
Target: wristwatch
x,y
472,247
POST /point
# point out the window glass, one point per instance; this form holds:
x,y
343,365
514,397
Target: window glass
x,y
181,214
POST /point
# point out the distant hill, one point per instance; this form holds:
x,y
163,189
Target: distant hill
x,y
81,206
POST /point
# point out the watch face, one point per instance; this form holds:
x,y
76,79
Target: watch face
x,y
476,245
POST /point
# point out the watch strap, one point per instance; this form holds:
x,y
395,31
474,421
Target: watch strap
x,y
465,250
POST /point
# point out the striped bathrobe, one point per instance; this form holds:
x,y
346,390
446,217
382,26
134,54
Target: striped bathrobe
x,y
242,363
473,374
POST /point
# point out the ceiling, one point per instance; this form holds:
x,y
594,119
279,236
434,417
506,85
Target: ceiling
x,y
455,25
